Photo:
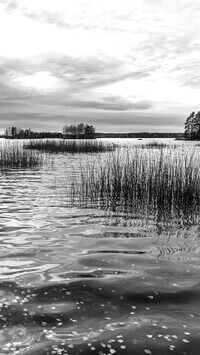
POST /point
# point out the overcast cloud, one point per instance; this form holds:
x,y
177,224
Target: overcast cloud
x,y
120,65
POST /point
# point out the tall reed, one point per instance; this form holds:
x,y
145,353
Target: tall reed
x,y
162,183
69,146
12,156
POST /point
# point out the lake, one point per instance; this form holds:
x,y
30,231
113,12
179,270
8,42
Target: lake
x,y
80,280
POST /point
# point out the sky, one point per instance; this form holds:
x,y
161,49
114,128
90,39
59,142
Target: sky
x,y
121,65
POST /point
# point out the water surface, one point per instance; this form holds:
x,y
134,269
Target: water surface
x,y
84,281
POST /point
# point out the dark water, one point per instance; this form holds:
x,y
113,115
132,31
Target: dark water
x,y
80,281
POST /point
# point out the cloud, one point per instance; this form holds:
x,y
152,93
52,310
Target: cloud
x,y
104,58
11,5
73,77
110,104
92,72
44,16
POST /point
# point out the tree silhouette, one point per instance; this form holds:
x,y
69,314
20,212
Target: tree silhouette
x,y
79,131
192,126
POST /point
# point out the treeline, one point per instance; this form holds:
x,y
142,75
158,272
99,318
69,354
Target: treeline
x,y
192,126
18,133
79,131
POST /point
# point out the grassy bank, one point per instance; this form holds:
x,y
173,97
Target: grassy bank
x,y
12,156
69,146
161,183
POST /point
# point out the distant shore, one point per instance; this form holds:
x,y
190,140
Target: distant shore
x,y
138,135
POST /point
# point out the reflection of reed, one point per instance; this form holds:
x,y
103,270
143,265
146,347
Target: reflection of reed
x,y
114,251
175,248
96,273
116,235
161,183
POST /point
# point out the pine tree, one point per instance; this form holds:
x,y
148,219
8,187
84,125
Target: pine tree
x,y
197,125
192,126
189,129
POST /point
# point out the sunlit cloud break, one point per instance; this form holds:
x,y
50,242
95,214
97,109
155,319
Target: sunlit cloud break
x,y
111,63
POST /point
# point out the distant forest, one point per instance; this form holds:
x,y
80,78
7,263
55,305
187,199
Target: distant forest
x,y
82,131
192,126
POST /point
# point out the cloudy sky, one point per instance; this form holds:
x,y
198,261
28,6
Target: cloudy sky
x,y
122,65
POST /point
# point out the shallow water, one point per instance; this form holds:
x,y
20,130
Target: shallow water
x,y
83,281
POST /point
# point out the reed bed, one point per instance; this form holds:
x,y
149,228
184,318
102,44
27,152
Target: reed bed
x,y
69,146
12,156
157,145
162,184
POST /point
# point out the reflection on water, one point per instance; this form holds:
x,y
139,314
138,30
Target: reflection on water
x,y
80,281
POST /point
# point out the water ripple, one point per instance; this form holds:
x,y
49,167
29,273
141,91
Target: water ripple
x,y
86,281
